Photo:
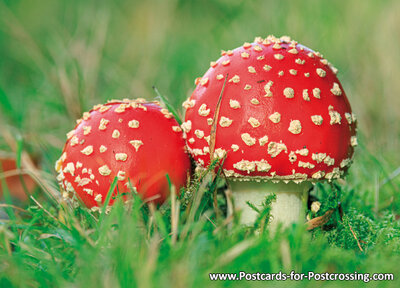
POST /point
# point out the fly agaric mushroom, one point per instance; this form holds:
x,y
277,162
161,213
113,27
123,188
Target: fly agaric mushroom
x,y
283,119
136,141
15,184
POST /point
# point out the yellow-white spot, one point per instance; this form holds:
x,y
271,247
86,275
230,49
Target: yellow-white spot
x,y
276,46
199,133
317,93
87,150
204,81
267,67
176,129
257,48
317,119
136,144
254,122
251,69
345,162
292,157
302,152
103,124
88,191
104,170
86,116
245,165
305,95
348,118
121,175
133,124
102,149
293,71
318,175
335,116
219,153
70,134
234,104
329,161
263,165
275,148
235,147
288,92
121,156
278,56
254,101
247,139
220,76
275,117
86,130
121,108
245,55
104,108
308,165
69,168
295,127
267,89
203,111
188,103
263,140
247,87
115,134
246,45
321,72
336,89
225,122
318,157
186,126
235,79
353,141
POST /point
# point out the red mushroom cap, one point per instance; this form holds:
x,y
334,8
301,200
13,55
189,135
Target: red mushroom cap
x,y
283,114
139,142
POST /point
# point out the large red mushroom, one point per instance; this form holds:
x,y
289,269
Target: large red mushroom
x,y
284,118
136,141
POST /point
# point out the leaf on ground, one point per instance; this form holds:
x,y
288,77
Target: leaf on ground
x,y
320,220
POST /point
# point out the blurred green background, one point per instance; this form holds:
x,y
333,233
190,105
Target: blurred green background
x,y
58,58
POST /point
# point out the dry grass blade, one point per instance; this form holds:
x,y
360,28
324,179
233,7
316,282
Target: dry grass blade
x,y
319,221
175,209
213,131
228,220
31,168
233,253
14,207
41,207
355,237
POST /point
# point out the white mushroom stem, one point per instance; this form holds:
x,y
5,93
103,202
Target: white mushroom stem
x,y
288,207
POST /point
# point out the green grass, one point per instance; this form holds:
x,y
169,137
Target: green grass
x,y
58,58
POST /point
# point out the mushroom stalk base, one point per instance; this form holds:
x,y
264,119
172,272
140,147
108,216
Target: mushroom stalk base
x,y
286,209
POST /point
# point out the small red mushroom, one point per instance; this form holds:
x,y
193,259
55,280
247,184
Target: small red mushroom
x,y
15,184
136,141
284,117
